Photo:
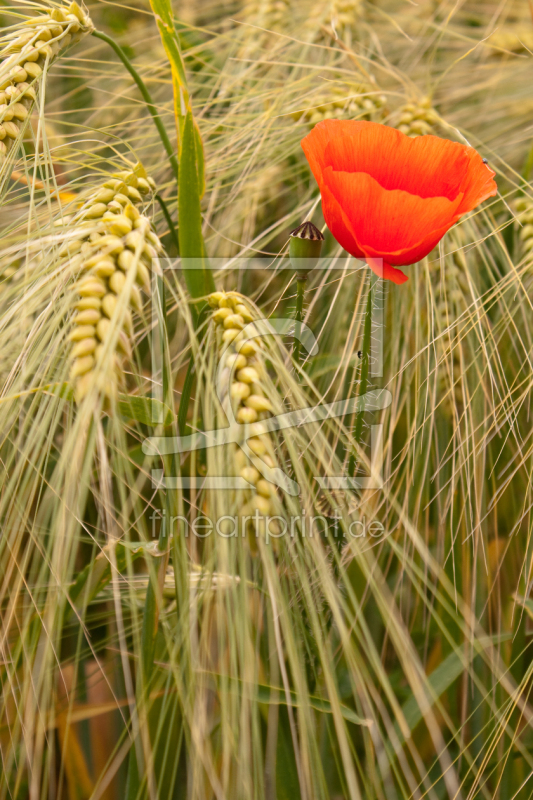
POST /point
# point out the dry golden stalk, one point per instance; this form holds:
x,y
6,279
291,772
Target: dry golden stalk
x,y
244,363
451,301
114,245
417,118
26,52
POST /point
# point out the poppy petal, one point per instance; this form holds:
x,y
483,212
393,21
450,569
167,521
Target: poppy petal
x,y
388,223
389,197
338,223
478,184
386,271
415,252
315,143
426,166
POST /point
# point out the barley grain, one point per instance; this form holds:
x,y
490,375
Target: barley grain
x,y
524,213
353,101
24,55
246,390
417,118
109,254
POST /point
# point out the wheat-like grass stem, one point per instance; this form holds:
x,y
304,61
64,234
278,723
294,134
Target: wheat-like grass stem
x,y
147,97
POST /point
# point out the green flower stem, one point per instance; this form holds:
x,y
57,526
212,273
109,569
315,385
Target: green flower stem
x,y
301,282
363,385
147,97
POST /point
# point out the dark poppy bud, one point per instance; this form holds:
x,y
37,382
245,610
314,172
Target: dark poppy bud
x,y
305,244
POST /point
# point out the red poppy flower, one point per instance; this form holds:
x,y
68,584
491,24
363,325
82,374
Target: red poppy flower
x,y
387,196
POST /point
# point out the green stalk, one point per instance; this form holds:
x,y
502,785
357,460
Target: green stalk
x,y
172,230
151,615
195,266
147,97
189,241
301,281
190,185
156,572
305,245
363,385
185,398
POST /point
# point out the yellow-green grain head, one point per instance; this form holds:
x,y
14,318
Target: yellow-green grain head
x,y
354,101
243,361
524,213
27,50
112,249
417,118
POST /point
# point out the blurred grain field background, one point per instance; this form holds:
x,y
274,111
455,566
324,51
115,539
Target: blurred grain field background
x,y
141,666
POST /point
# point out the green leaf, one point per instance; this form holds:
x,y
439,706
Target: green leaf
x,y
191,183
200,158
442,678
439,680
274,694
287,783
165,22
141,409
145,409
198,276
318,703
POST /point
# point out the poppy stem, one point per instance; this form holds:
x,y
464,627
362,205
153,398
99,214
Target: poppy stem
x,y
301,281
305,244
363,384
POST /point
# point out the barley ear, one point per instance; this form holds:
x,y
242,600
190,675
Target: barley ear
x,y
112,252
417,118
243,368
27,50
